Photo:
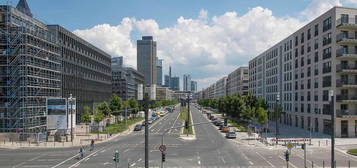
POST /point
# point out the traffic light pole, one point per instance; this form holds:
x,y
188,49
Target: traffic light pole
x,y
146,106
332,131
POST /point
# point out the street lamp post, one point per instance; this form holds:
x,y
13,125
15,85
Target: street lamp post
x,y
276,117
146,106
188,114
71,109
332,111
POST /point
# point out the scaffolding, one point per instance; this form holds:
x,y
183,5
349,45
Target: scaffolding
x,y
30,71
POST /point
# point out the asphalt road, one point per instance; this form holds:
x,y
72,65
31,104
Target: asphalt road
x,y
211,149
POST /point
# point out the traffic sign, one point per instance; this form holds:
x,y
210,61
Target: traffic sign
x,y
289,146
162,148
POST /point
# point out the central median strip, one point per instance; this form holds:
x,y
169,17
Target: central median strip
x,y
183,117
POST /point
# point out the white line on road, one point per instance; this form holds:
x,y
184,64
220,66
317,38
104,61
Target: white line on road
x,y
126,150
289,162
264,159
224,162
64,161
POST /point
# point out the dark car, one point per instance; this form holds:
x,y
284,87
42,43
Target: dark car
x,y
143,123
218,123
138,127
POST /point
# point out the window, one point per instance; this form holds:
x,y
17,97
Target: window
x,y
296,63
308,83
316,29
302,50
326,68
308,96
308,34
326,81
326,39
316,72
326,53
308,60
302,61
296,40
296,52
325,95
308,71
344,18
316,84
316,56
302,37
327,24
316,45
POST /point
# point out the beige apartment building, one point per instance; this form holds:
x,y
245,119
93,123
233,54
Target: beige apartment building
x,y
304,67
238,81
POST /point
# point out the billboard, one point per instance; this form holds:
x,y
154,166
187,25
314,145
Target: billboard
x,y
56,113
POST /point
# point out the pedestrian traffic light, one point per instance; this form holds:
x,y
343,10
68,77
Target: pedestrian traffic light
x,y
116,156
303,146
287,156
186,125
163,155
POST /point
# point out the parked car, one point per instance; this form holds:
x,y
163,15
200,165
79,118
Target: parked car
x,y
221,127
150,122
212,118
225,129
218,123
231,134
143,123
138,127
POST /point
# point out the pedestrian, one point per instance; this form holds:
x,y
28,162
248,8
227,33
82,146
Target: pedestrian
x,y
92,145
81,151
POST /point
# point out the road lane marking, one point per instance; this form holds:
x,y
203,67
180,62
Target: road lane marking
x,y
289,162
126,150
32,159
224,162
59,164
264,159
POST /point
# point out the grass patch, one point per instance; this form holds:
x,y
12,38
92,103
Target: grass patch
x,y
183,118
352,152
120,126
240,126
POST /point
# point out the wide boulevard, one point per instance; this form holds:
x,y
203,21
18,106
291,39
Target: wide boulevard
x,y
210,149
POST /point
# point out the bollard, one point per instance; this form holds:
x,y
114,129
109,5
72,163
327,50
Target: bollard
x,y
312,164
319,143
349,164
323,164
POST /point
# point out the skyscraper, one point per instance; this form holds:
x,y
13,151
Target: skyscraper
x,y
159,72
186,82
175,82
167,81
146,59
193,86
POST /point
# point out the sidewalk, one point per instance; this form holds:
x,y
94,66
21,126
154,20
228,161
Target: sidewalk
x,y
79,140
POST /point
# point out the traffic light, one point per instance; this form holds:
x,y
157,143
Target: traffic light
x,y
287,156
116,156
225,122
186,125
163,155
303,146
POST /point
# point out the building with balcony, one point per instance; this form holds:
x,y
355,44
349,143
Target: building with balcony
x,y
304,67
238,81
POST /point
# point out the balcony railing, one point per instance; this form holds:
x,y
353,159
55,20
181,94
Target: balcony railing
x,y
346,22
345,113
344,38
345,52
341,67
346,97
341,83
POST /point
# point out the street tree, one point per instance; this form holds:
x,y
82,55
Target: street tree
x,y
133,105
104,108
116,105
86,117
98,117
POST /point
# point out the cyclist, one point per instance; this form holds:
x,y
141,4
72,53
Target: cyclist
x,y
81,151
92,145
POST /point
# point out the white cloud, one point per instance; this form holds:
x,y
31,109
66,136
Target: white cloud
x,y
318,7
206,47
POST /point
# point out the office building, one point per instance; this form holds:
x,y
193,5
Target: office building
x,y
220,88
163,93
186,82
125,80
159,72
146,59
175,82
86,70
238,81
30,70
167,81
117,61
193,86
305,66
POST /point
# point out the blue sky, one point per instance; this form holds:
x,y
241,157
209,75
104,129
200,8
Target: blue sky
x,y
82,14
205,38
